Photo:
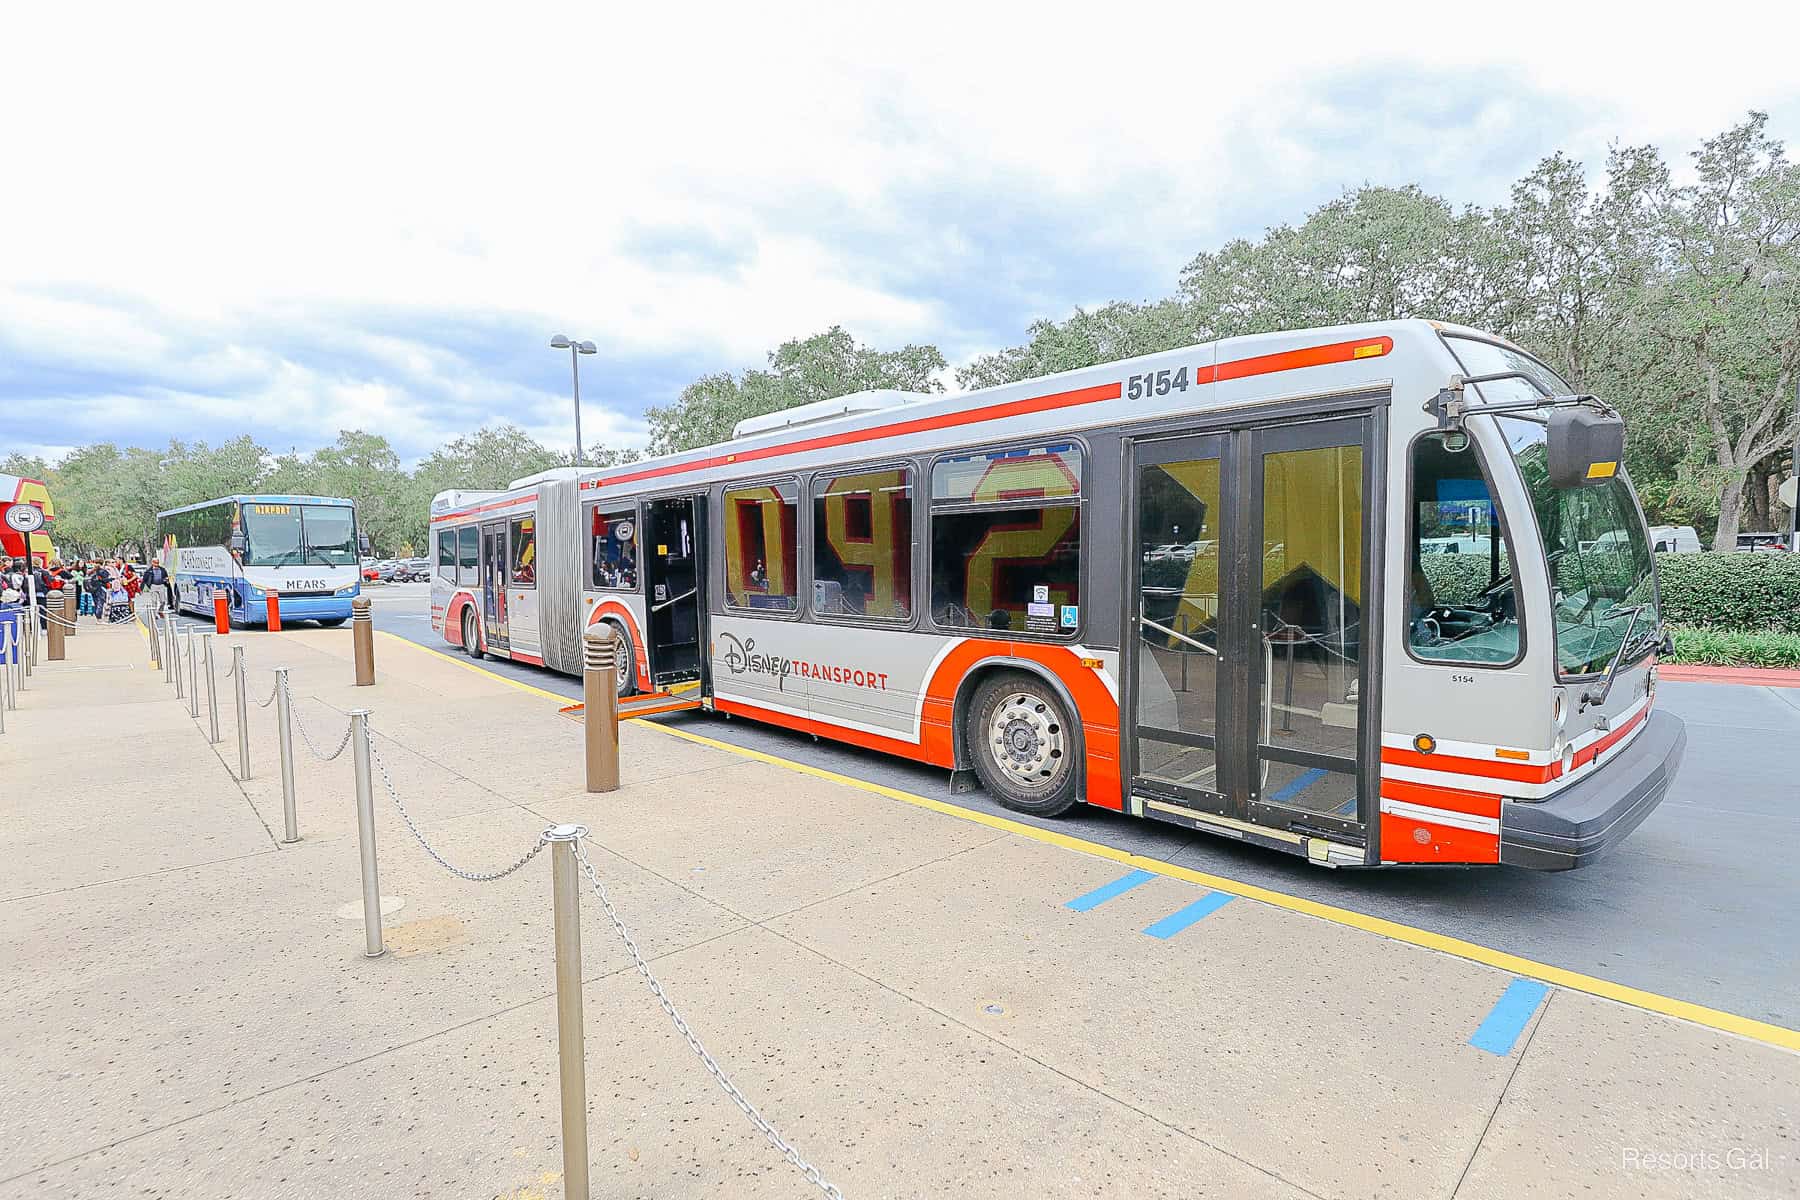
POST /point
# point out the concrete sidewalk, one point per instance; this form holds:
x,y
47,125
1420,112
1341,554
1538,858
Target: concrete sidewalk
x,y
908,995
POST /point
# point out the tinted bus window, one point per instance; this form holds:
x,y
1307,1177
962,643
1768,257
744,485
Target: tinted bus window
x,y
468,555
446,555
614,554
524,551
1006,540
761,547
1461,605
862,545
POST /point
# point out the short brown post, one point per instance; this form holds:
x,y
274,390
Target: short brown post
x,y
600,706
362,635
71,609
57,607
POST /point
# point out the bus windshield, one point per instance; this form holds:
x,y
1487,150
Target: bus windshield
x,y
285,535
1598,554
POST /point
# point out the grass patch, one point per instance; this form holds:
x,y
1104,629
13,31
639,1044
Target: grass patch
x,y
1735,648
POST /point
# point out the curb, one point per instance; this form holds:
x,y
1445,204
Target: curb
x,y
1754,676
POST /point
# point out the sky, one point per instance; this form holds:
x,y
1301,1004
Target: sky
x,y
291,220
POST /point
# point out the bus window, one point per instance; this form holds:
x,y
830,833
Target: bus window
x,y
1461,605
523,572
1006,540
446,555
468,556
761,548
862,545
614,549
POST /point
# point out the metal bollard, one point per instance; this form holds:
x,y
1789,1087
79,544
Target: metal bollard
x,y
571,1051
54,642
212,694
243,710
362,635
154,635
180,680
284,733
163,627
193,662
600,707
365,835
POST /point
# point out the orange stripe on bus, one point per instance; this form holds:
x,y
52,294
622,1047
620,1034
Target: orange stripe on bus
x,y
469,512
1430,795
1487,769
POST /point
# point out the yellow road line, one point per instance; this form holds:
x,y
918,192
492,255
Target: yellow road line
x,y
468,665
1712,1018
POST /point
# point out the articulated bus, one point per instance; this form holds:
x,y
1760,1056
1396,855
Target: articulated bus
x,y
1379,594
303,549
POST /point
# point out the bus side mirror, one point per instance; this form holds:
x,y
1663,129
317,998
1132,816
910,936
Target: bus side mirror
x,y
239,543
362,543
1583,447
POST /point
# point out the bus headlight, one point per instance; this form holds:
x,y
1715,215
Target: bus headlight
x,y
1559,711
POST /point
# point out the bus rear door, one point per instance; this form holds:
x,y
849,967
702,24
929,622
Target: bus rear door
x,y
1250,572
493,586
675,570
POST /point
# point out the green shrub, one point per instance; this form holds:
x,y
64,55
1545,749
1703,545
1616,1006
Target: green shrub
x,y
1731,648
1742,592
1455,578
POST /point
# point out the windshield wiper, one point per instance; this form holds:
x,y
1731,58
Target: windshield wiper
x,y
1589,697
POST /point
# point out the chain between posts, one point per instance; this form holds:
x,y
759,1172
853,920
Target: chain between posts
x,y
472,876
812,1174
307,737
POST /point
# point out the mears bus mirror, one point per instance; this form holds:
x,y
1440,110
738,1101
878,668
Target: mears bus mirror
x,y
239,543
362,543
1583,447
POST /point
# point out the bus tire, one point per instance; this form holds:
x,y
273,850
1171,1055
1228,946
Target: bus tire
x,y
471,636
330,622
1024,744
627,660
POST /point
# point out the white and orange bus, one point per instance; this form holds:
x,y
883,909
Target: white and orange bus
x,y
1379,594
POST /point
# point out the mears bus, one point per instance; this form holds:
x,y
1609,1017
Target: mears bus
x,y
303,549
1376,594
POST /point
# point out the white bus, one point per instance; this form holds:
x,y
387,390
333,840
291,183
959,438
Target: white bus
x,y
302,549
985,582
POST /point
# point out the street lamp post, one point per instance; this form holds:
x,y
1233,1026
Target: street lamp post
x,y
561,342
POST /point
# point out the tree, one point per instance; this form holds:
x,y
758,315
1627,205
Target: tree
x,y
820,367
1117,330
1723,311
1373,254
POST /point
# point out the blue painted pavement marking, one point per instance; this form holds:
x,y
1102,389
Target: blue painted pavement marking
x,y
1299,784
1101,895
1180,919
1509,1017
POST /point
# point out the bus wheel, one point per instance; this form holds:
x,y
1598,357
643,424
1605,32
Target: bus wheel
x,y
471,639
627,661
1023,745
330,622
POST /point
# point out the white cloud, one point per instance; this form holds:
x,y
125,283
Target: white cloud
x,y
197,192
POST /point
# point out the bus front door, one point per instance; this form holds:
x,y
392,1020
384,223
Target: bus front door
x,y
1249,676
493,587
676,572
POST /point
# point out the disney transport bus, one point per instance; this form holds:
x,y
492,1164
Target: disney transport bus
x,y
303,549
1379,594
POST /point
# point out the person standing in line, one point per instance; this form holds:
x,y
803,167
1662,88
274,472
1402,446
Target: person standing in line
x,y
99,582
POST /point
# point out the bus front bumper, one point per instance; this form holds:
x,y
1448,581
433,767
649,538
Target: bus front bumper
x,y
299,608
1585,820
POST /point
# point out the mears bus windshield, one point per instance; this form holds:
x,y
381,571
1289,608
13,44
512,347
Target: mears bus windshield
x,y
283,535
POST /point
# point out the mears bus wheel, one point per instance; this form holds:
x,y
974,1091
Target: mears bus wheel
x,y
1023,745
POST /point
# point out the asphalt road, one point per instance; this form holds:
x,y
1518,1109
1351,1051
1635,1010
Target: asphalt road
x,y
1701,902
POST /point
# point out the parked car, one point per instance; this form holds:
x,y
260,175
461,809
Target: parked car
x,y
1762,541
386,569
1681,539
413,569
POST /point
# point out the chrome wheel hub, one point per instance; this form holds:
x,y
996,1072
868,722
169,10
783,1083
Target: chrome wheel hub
x,y
1027,739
